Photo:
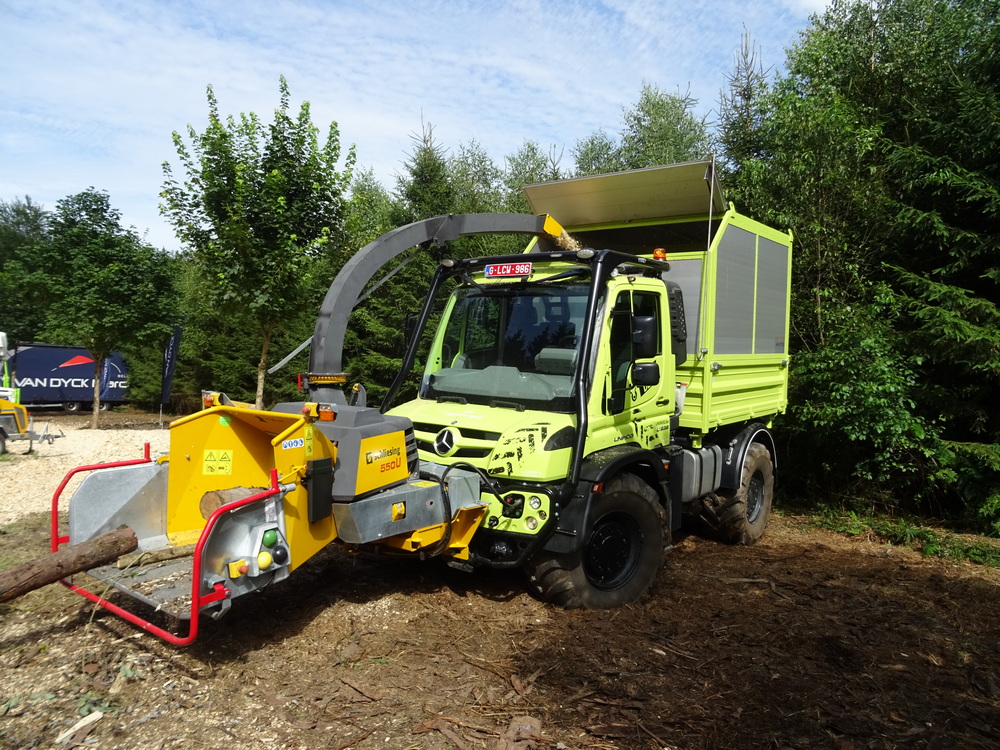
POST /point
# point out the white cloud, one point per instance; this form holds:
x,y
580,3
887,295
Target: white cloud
x,y
92,90
806,7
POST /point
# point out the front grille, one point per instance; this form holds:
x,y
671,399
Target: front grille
x,y
467,432
460,453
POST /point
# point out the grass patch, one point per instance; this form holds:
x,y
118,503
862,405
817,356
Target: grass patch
x,y
25,539
904,532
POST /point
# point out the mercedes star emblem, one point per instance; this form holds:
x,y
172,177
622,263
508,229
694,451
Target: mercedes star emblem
x,y
444,442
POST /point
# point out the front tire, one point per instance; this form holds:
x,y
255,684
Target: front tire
x,y
71,406
740,516
622,554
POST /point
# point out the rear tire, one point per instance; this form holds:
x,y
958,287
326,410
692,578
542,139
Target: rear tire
x,y
71,406
740,516
3,443
620,558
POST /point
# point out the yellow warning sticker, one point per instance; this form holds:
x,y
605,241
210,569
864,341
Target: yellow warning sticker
x,y
217,462
309,439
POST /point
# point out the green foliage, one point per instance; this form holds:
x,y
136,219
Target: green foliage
x,y
105,289
426,189
145,358
855,393
527,166
904,532
877,150
23,226
258,206
598,153
743,111
23,223
215,352
477,184
92,701
660,128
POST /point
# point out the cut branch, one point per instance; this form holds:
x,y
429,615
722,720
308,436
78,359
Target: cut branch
x,y
42,571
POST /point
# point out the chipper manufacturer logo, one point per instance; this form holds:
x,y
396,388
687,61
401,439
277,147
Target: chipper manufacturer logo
x,y
373,456
381,461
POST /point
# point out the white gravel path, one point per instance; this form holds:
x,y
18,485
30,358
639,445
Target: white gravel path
x,y
28,481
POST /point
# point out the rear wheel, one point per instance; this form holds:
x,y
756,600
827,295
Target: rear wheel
x,y
3,443
71,406
740,516
620,558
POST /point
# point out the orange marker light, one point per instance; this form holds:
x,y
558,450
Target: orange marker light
x,y
660,254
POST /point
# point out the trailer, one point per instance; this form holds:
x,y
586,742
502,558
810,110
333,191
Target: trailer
x,y
51,376
15,422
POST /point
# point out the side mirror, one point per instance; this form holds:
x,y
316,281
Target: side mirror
x,y
409,326
645,337
645,373
678,323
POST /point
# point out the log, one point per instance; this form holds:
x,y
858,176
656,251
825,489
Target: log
x,y
42,571
212,500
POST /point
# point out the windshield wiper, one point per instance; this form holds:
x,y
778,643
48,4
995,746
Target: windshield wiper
x,y
464,276
506,404
440,398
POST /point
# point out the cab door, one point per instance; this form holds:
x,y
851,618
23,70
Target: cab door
x,y
636,383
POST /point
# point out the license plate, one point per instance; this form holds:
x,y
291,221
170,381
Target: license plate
x,y
494,270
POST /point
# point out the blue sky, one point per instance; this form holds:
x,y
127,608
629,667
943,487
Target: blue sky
x,y
90,90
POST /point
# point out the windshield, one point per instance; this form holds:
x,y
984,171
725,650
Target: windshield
x,y
514,346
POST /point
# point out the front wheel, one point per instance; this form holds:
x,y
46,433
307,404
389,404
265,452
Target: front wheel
x,y
72,406
620,558
740,516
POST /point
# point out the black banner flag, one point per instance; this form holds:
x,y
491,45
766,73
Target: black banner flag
x,y
169,362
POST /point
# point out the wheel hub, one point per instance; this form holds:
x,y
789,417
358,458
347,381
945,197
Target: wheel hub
x,y
755,497
612,554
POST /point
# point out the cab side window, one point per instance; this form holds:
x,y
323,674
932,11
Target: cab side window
x,y
628,340
620,343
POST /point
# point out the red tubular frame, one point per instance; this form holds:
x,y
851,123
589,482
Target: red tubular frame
x,y
58,540
197,599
